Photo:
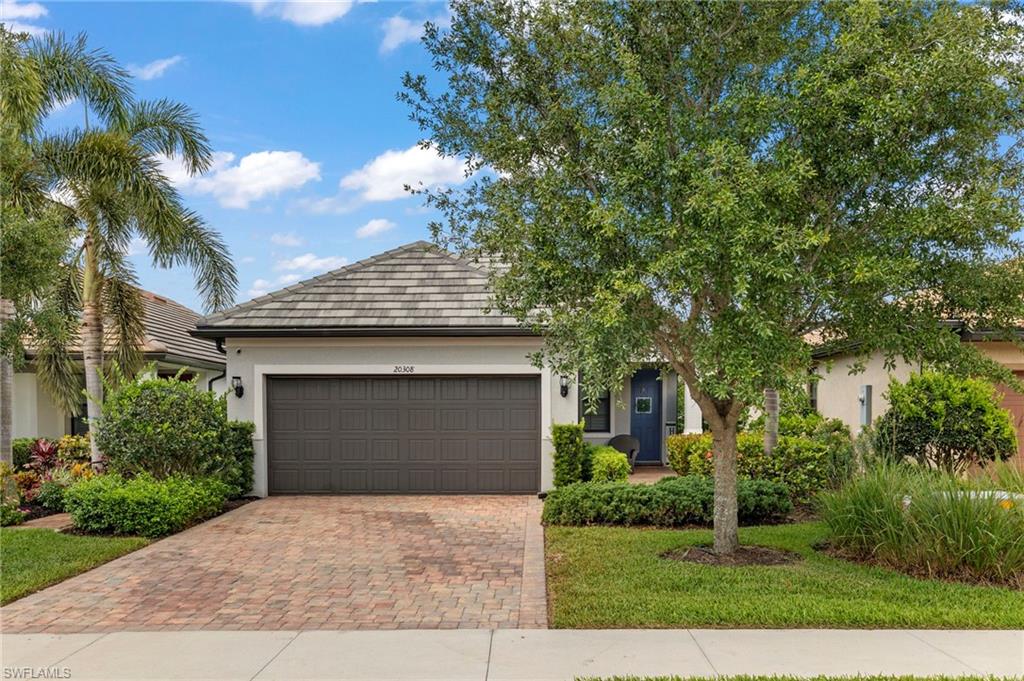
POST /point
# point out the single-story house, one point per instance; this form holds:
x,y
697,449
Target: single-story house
x,y
388,376
168,345
857,399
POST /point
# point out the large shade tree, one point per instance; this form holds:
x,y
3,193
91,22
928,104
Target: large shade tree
x,y
710,182
106,177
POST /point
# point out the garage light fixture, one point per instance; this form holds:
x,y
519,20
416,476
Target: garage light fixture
x,y
563,385
236,385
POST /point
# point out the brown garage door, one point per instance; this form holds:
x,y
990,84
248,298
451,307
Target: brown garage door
x,y
433,435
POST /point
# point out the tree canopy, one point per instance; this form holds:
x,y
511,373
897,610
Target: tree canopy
x,y
710,182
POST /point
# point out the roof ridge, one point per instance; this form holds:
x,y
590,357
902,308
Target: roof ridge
x,y
420,244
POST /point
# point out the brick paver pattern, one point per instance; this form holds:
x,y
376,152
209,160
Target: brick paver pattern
x,y
301,563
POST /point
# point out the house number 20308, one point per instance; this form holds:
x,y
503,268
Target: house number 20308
x,y
404,369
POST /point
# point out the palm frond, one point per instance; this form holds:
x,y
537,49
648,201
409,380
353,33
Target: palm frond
x,y
55,331
172,129
197,246
22,91
70,70
124,315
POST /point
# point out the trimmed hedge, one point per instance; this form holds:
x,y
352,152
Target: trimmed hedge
x,y
21,450
238,445
801,464
570,452
143,506
672,502
608,464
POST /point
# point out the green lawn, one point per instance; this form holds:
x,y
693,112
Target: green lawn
x,y
31,559
602,577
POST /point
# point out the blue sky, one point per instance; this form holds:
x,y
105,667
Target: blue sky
x,y
298,100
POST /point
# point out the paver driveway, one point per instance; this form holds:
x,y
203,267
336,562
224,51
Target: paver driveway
x,y
317,563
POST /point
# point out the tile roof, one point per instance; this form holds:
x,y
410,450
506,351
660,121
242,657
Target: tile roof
x,y
416,287
167,336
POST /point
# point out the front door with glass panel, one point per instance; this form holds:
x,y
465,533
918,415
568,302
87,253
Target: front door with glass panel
x,y
645,414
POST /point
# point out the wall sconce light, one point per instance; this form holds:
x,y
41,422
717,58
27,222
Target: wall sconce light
x,y
236,385
563,386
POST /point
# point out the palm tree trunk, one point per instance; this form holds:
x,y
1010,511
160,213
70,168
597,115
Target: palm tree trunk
x,y
6,391
92,343
771,420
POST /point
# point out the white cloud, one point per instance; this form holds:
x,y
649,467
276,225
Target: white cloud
x,y
256,176
260,287
154,69
385,177
290,239
374,227
11,11
302,13
286,279
137,246
398,31
309,262
247,259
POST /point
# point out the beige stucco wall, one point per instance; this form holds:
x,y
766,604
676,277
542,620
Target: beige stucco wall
x,y
838,391
34,415
254,359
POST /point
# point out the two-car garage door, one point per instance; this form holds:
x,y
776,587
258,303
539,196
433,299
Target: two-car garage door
x,y
385,434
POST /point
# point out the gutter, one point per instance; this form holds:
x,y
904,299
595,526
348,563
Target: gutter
x,y
223,374
220,333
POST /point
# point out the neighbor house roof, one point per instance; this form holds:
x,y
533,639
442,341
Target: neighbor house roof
x,y
416,289
167,337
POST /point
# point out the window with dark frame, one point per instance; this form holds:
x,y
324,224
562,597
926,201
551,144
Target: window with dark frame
x,y
600,421
812,393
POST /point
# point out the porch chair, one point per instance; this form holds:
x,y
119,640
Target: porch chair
x,y
628,445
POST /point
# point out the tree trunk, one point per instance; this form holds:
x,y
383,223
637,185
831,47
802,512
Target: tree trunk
x,y
771,420
92,344
723,448
6,392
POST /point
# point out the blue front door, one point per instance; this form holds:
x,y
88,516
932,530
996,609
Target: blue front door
x,y
645,414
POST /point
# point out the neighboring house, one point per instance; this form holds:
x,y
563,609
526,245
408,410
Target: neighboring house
x,y
168,345
387,375
857,399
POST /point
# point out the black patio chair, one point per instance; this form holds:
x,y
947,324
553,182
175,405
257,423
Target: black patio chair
x,y
628,445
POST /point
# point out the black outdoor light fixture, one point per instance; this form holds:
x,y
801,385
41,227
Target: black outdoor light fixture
x,y
563,385
236,385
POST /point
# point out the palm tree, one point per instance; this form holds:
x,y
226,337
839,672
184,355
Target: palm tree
x,y
34,234
109,181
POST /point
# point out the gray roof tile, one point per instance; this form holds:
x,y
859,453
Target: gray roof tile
x,y
417,285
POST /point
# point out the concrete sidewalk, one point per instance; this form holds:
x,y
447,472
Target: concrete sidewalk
x,y
508,654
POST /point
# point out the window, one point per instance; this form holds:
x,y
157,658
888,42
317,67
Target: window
x,y
600,420
812,390
79,426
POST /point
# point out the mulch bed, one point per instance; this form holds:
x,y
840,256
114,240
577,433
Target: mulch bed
x,y
744,555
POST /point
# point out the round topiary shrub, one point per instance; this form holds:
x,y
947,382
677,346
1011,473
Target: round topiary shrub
x,y
163,427
944,422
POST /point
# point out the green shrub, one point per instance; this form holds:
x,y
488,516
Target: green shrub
x,y
803,465
21,449
569,452
944,422
672,502
608,465
681,446
238,473
929,523
51,496
144,506
10,514
72,449
164,427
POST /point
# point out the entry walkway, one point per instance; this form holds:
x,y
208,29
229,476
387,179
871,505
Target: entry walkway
x,y
507,654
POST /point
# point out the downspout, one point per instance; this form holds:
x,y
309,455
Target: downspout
x,y
221,350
